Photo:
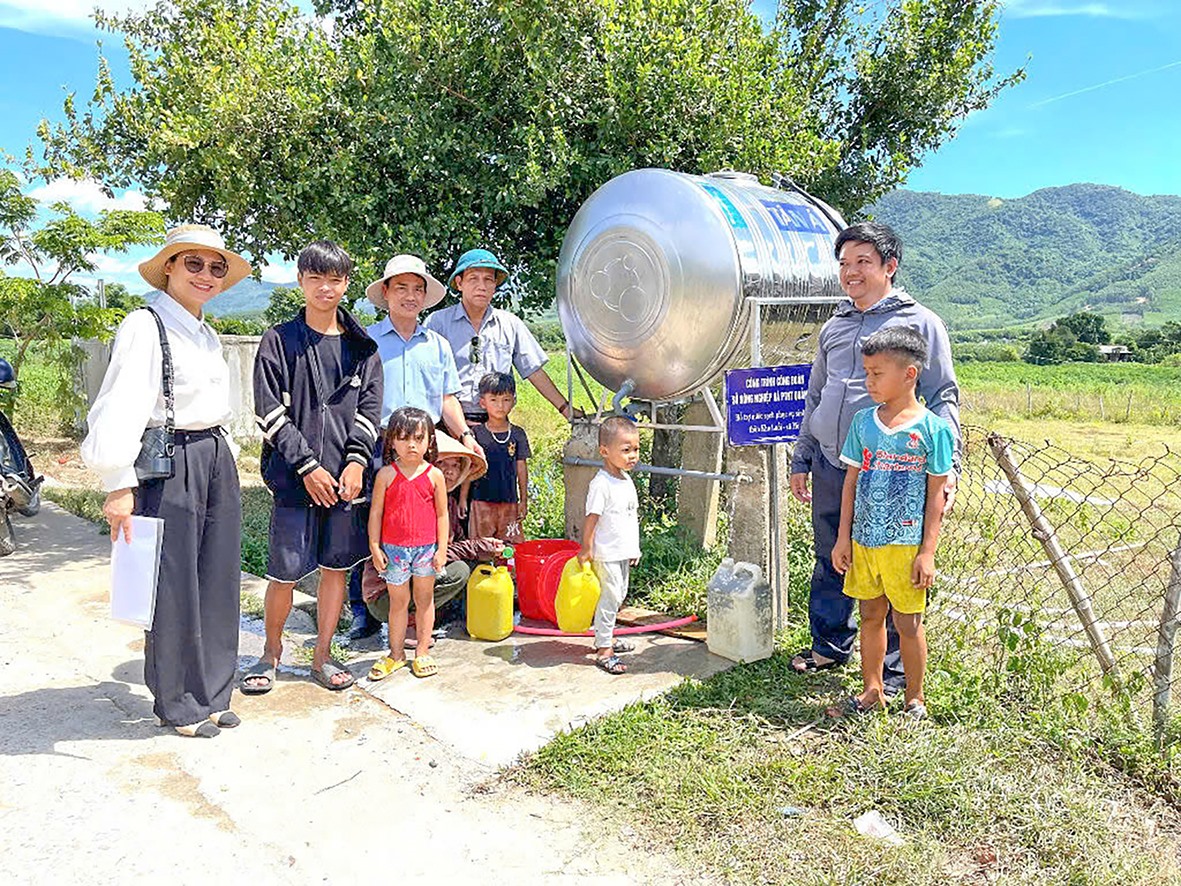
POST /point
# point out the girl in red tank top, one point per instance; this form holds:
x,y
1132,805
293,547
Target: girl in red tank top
x,y
408,529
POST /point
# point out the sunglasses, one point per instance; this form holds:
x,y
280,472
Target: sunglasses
x,y
194,264
474,356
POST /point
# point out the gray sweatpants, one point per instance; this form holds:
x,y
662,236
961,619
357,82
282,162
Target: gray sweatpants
x,y
613,576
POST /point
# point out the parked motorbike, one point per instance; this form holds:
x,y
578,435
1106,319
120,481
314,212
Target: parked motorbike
x,y
20,487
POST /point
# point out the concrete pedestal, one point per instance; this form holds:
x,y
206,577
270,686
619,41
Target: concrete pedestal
x,y
583,443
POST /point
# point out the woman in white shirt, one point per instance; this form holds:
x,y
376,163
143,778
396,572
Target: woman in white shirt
x,y
191,652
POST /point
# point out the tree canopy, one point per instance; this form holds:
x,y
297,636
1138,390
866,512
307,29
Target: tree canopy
x,y
432,126
1071,339
49,308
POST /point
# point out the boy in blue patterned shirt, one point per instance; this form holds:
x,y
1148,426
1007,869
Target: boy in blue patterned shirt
x,y
898,456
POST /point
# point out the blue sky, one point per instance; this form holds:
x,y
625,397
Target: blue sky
x,y
1099,103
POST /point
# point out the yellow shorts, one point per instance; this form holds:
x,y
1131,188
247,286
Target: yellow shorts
x,y
885,570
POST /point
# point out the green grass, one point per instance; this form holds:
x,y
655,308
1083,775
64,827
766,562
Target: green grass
x,y
708,770
1088,392
48,402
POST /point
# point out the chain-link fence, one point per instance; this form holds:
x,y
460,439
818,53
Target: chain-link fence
x,y
1074,556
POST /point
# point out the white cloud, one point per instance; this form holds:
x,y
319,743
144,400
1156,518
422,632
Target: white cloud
x,y
278,272
88,196
1047,8
109,266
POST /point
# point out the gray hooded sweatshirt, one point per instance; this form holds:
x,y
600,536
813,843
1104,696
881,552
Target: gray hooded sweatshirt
x,y
836,390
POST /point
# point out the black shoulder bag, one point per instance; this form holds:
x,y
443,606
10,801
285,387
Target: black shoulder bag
x,y
158,444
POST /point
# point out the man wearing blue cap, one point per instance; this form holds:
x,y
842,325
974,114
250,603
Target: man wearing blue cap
x,y
486,339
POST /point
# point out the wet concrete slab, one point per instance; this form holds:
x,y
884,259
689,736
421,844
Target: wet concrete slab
x,y
493,702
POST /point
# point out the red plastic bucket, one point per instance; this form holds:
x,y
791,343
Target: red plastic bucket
x,y
539,567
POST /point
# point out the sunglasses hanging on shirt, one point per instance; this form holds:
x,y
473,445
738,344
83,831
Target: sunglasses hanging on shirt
x,y
474,354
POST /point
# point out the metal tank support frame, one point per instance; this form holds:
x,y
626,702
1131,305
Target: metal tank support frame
x,y
762,474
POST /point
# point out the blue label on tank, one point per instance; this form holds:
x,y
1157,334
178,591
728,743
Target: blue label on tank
x,y
732,215
795,217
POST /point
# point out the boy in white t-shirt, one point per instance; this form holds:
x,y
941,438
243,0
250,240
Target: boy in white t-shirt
x,y
611,533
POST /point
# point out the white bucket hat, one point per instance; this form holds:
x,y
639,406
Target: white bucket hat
x,y
184,237
406,264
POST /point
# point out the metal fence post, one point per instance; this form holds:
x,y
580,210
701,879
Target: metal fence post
x,y
1166,633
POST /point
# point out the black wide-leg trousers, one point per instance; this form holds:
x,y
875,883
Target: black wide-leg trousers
x,y
191,653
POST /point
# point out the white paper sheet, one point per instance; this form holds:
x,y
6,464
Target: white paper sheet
x,y
135,568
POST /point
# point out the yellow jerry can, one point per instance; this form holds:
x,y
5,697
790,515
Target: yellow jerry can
x,y
490,603
578,595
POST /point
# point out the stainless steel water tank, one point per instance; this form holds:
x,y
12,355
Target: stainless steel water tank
x,y
655,268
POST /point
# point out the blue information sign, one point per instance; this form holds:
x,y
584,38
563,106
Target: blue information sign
x,y
765,405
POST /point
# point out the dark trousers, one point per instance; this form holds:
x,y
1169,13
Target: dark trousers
x,y
830,612
191,653
357,607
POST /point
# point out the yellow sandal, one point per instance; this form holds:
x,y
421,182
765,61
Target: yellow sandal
x,y
424,666
383,667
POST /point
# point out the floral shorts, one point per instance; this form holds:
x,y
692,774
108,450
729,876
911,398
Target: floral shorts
x,y
407,561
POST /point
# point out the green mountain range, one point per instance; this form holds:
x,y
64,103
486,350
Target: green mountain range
x,y
982,262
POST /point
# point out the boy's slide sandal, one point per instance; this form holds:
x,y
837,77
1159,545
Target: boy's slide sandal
x,y
804,661
851,707
424,666
325,672
261,670
612,664
383,667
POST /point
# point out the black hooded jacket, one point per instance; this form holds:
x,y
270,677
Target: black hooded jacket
x,y
305,426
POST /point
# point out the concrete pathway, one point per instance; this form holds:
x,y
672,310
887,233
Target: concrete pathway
x,y
313,787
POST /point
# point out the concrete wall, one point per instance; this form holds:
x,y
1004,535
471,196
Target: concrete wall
x,y
239,351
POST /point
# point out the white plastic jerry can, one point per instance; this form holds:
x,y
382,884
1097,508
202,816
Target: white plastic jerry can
x,y
739,625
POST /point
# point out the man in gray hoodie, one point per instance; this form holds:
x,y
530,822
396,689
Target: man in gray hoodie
x,y
869,254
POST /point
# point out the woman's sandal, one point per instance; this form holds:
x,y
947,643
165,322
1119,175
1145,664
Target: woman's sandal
x,y
225,719
612,664
424,666
383,667
204,729
618,646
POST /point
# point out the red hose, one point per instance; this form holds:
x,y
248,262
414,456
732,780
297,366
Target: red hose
x,y
633,629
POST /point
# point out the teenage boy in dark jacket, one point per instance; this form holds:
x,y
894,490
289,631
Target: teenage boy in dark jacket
x,y
317,395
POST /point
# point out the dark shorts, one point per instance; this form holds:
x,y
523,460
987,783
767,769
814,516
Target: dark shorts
x,y
305,539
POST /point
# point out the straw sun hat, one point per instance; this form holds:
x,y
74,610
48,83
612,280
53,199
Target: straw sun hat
x,y
474,467
405,264
187,237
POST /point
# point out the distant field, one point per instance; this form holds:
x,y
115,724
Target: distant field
x,y
1090,392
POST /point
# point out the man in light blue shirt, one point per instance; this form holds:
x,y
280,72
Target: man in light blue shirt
x,y
418,370
486,339
417,364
